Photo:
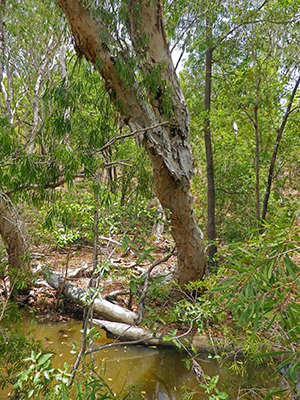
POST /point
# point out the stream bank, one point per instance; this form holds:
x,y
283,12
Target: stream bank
x,y
53,310
159,373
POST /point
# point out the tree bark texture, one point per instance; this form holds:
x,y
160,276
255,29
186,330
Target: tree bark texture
x,y
107,309
257,164
12,234
11,226
168,146
2,5
211,224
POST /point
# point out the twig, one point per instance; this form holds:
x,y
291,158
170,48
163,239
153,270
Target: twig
x,y
285,252
92,283
118,162
83,345
110,240
115,293
214,348
129,342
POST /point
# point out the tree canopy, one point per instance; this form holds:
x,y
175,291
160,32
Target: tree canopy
x,y
119,117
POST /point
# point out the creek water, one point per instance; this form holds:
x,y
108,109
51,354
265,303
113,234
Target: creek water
x,y
159,373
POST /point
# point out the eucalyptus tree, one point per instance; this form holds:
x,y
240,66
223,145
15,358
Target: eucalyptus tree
x,y
126,41
262,89
226,39
24,64
205,28
41,139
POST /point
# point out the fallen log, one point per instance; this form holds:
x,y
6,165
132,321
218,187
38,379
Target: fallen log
x,y
119,321
128,332
112,312
114,294
79,272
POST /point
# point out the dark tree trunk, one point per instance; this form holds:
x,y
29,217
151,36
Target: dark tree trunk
x,y
211,224
257,164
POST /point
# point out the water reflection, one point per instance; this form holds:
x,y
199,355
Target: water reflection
x,y
159,373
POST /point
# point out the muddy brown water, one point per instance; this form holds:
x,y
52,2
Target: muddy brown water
x,y
159,373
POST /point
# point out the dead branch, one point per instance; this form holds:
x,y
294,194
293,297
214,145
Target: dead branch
x,y
109,310
113,295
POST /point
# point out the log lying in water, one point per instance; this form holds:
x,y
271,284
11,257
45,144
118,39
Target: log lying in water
x,y
123,320
107,309
127,332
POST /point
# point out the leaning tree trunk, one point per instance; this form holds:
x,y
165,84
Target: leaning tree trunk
x,y
12,234
144,106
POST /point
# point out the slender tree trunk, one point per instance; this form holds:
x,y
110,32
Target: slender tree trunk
x,y
275,151
2,54
2,5
168,146
96,228
211,225
257,164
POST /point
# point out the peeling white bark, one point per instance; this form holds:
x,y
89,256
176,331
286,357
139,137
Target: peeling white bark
x,y
107,309
168,146
125,332
12,232
128,332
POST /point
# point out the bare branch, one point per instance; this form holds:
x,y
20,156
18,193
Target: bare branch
x,y
136,132
294,109
118,162
180,58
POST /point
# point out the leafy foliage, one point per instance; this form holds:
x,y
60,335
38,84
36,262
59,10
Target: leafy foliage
x,y
56,117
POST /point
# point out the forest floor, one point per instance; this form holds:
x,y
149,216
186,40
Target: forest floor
x,y
75,262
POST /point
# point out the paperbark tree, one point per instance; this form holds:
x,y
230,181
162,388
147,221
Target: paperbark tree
x,y
20,111
12,232
11,227
135,62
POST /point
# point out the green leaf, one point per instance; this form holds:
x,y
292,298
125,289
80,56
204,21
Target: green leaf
x,y
44,358
291,268
270,271
36,376
46,375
